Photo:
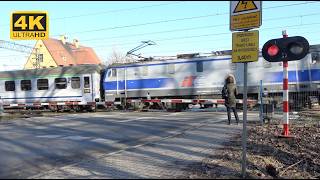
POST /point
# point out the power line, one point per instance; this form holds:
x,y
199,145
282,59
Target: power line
x,y
196,36
108,12
144,24
179,19
194,28
117,10
206,35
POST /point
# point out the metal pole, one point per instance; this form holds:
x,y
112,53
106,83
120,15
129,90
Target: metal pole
x,y
261,102
125,88
285,121
244,133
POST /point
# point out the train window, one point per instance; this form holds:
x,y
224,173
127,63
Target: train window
x,y
25,85
200,66
10,86
145,71
315,58
266,64
42,84
171,68
136,71
75,82
61,83
86,82
114,72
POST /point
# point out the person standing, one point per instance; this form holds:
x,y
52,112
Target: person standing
x,y
229,93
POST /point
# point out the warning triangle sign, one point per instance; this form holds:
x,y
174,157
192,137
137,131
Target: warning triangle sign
x,y
245,6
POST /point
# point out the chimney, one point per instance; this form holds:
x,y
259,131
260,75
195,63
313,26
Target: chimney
x,y
76,43
63,39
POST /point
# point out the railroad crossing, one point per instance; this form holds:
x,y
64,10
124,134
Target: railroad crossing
x,y
111,144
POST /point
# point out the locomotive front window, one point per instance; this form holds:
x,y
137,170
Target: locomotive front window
x,y
75,82
10,86
109,73
25,85
61,83
86,82
42,84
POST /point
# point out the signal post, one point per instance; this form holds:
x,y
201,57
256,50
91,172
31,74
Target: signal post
x,y
244,16
283,50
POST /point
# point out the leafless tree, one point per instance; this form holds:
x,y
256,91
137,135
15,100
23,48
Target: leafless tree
x,y
117,57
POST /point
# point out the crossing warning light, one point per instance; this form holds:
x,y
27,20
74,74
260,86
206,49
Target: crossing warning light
x,y
289,48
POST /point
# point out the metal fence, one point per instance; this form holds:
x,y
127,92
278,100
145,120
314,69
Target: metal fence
x,y
300,103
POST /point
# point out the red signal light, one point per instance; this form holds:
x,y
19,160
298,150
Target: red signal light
x,y
273,50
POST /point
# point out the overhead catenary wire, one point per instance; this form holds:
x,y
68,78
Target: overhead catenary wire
x,y
174,20
227,24
203,35
108,12
193,28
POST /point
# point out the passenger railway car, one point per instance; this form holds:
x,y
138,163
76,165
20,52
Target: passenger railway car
x,y
73,87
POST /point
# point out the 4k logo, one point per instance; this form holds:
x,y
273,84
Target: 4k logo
x,y
29,25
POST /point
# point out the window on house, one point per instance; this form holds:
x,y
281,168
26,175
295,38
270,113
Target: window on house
x,y
61,83
200,66
171,68
10,86
42,84
75,82
86,82
25,85
40,57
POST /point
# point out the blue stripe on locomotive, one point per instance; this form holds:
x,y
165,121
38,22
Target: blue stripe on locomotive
x,y
138,83
302,76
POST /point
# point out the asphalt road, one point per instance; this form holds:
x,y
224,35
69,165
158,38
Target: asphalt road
x,y
87,145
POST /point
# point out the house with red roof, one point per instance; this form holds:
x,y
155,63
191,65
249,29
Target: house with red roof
x,y
59,52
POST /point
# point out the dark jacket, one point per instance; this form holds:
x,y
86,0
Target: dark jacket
x,y
232,92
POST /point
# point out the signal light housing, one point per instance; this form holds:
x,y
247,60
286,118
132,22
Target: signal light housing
x,y
290,49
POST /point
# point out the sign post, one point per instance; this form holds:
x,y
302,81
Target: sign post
x,y
245,15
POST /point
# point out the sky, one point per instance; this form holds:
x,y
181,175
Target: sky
x,y
175,26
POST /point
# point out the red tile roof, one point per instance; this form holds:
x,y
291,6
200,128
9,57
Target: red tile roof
x,y
66,54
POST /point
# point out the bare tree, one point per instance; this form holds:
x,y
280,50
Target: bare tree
x,y
117,57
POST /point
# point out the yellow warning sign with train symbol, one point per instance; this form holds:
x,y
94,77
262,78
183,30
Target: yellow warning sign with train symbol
x,y
245,15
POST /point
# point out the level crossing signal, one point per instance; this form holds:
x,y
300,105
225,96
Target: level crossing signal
x,y
288,48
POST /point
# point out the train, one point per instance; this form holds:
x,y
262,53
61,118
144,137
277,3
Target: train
x,y
186,76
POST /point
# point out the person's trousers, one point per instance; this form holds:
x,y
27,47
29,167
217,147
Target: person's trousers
x,y
235,114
